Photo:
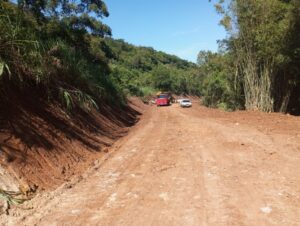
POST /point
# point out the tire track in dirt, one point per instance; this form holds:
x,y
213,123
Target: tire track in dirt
x,y
182,167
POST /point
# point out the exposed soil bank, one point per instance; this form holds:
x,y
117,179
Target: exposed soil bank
x,y
41,145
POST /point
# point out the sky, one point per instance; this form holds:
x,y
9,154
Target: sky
x,y
178,27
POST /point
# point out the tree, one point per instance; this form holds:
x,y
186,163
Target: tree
x,y
162,78
260,33
203,57
80,15
220,86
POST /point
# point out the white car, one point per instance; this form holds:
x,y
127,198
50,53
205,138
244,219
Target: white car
x,y
185,103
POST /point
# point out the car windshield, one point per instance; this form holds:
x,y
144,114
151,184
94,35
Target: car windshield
x,y
186,101
162,96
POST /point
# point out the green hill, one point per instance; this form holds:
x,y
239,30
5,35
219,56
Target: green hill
x,y
142,70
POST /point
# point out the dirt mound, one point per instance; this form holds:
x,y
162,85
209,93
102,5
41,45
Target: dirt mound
x,y
41,145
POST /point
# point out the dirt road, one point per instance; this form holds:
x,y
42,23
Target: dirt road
x,y
192,166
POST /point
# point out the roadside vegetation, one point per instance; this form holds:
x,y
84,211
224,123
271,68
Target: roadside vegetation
x,y
56,51
257,67
61,51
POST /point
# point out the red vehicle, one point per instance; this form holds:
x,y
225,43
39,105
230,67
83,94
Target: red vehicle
x,y
163,99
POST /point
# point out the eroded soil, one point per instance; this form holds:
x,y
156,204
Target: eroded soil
x,y
177,166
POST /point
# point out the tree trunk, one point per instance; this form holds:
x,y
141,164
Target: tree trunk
x,y
258,86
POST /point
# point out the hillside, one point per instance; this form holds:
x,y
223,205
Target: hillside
x,y
143,70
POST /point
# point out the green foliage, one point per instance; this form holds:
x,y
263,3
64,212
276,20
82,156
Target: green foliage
x,y
19,52
220,86
162,78
69,65
217,92
264,43
148,91
12,198
137,69
78,15
68,98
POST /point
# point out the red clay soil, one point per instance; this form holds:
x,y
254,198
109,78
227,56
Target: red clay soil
x,y
41,146
194,166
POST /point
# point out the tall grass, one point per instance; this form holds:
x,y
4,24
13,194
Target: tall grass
x,y
30,56
20,53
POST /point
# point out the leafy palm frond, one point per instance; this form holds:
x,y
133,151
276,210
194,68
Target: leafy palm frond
x,y
70,98
66,98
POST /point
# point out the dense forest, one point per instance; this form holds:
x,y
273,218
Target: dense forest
x,y
143,71
61,51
